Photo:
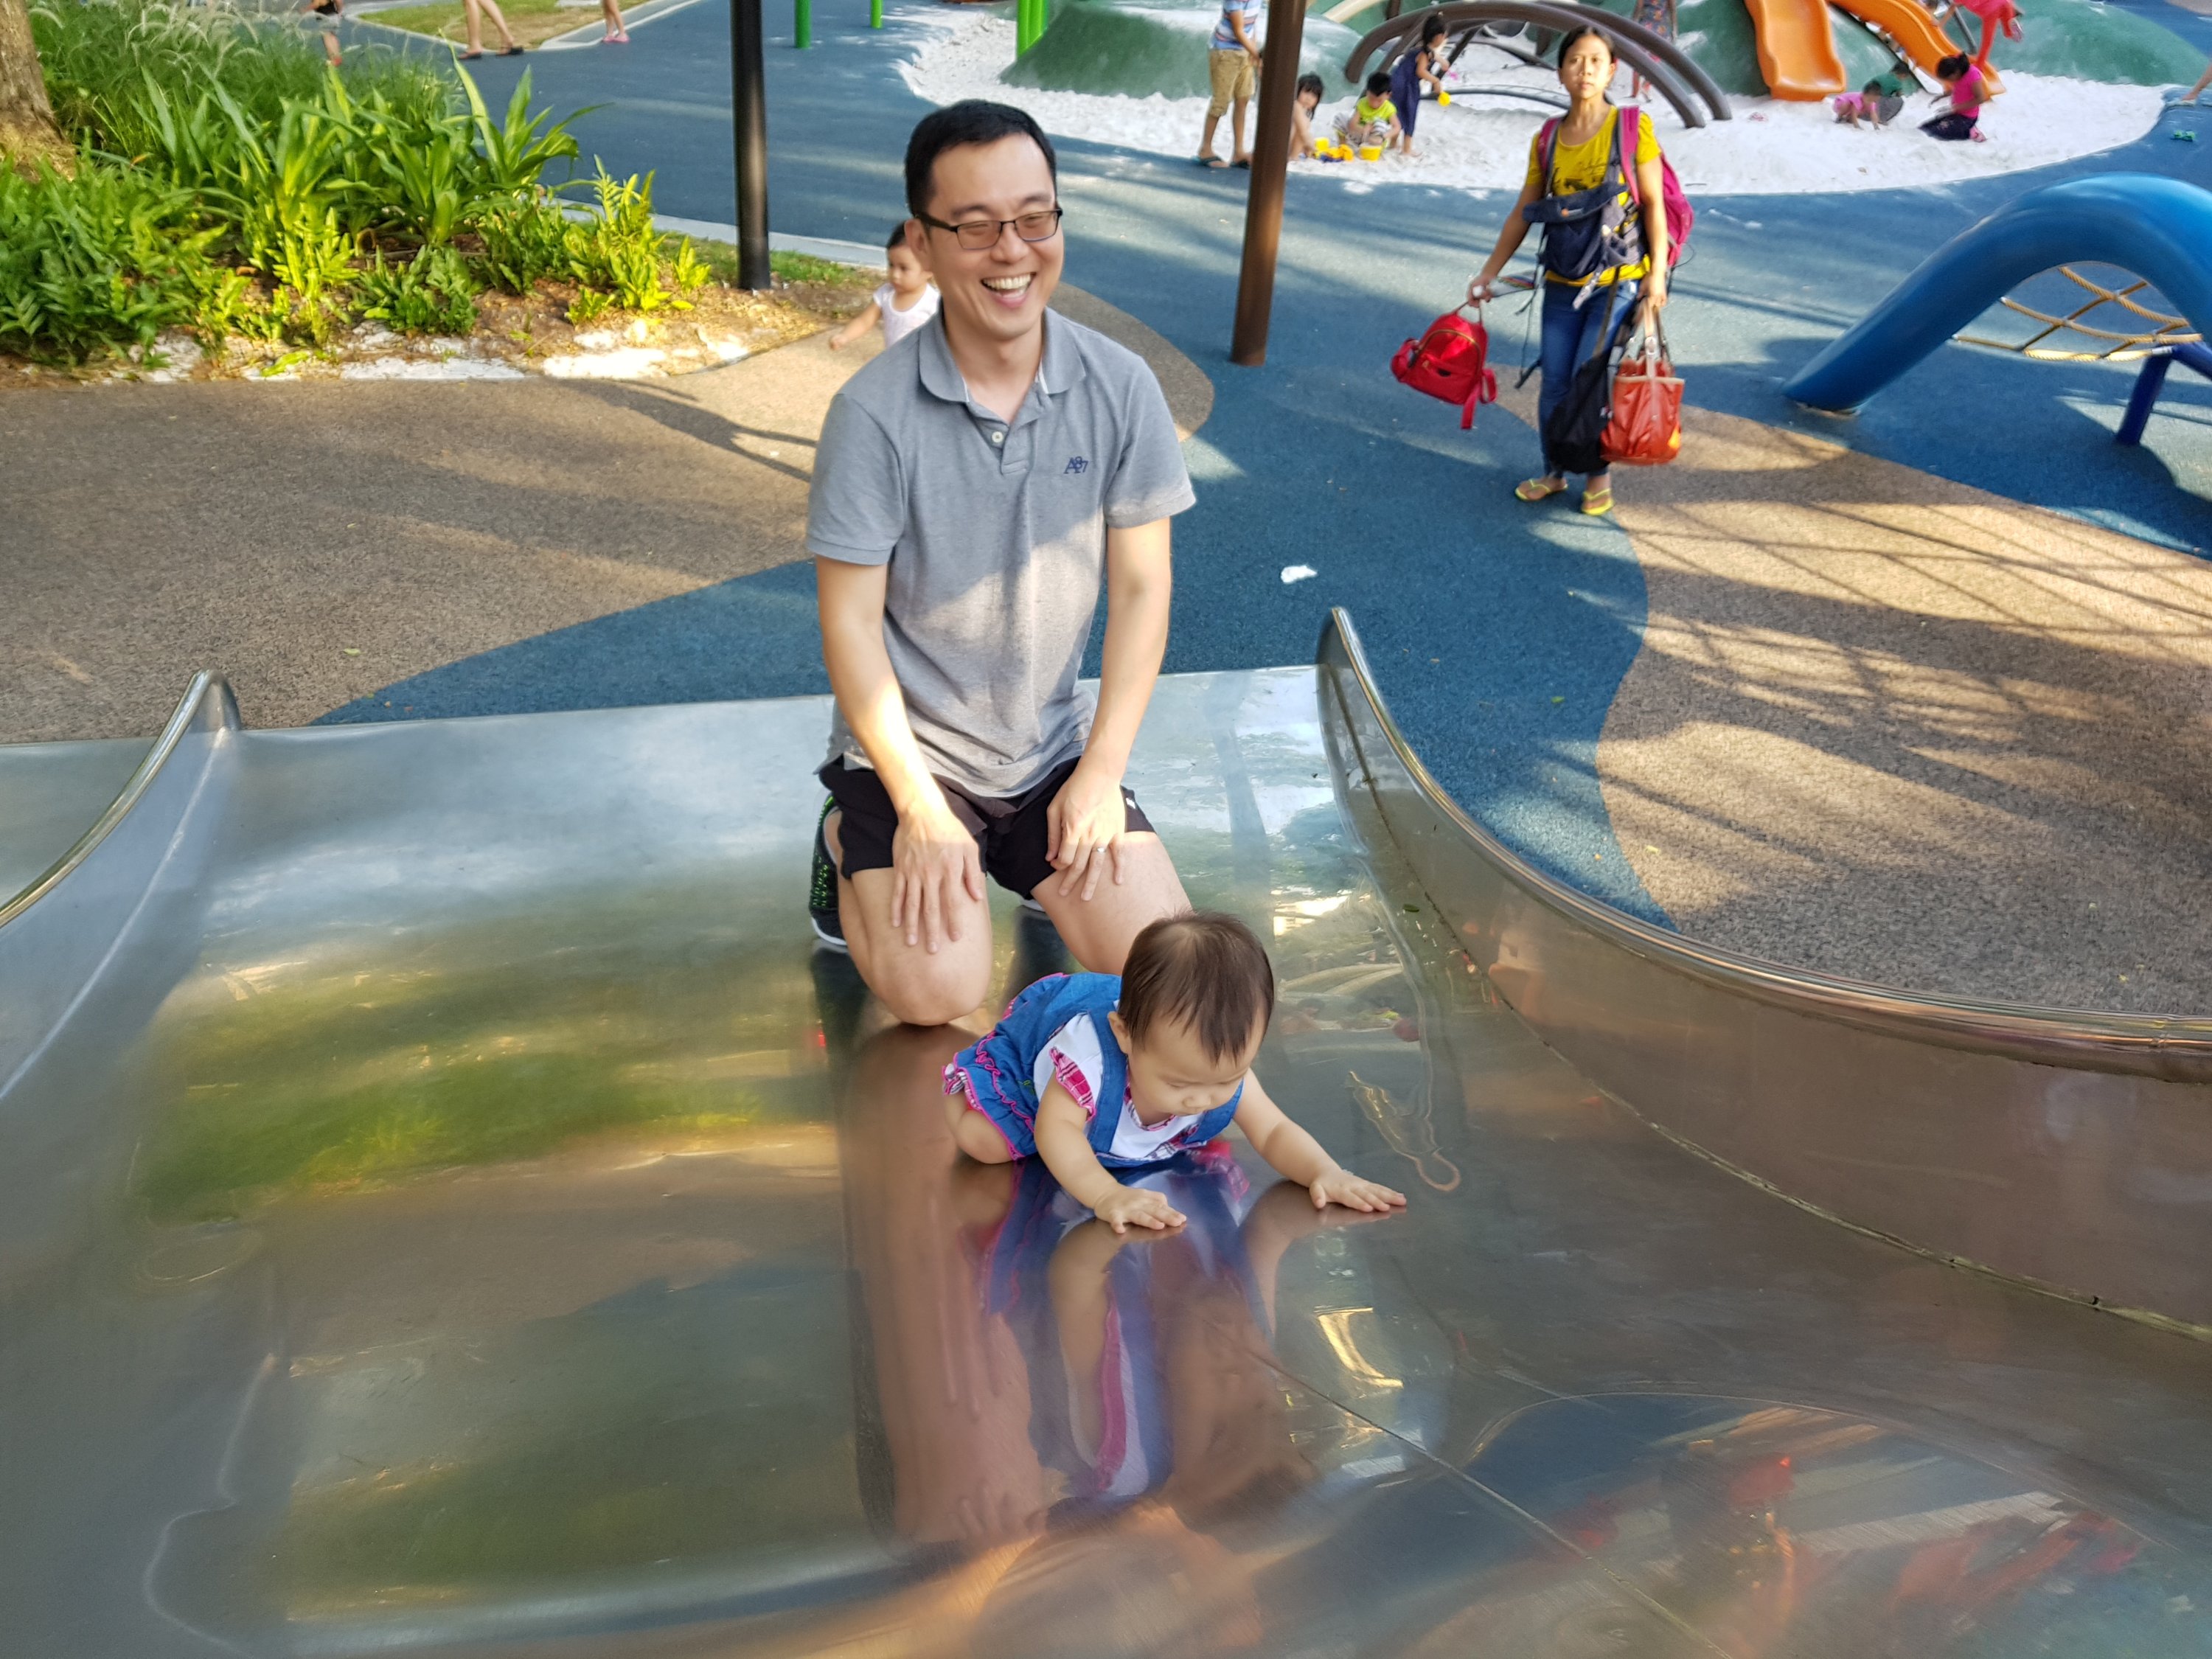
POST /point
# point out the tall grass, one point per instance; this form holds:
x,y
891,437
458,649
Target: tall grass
x,y
101,54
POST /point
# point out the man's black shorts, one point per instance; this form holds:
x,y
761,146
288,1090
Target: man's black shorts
x,y
1013,832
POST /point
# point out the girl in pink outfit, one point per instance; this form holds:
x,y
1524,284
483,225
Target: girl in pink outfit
x,y
1996,15
1969,89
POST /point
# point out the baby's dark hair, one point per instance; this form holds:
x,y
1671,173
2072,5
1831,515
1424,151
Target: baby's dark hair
x,y
1312,83
1202,969
1872,88
897,239
1378,84
1954,67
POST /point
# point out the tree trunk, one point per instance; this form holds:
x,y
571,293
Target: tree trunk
x,y
27,133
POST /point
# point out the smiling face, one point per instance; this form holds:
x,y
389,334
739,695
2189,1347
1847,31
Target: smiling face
x,y
1172,1075
1587,69
997,294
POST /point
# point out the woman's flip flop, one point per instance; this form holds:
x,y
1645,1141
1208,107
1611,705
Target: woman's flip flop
x,y
1598,501
1539,489
1214,161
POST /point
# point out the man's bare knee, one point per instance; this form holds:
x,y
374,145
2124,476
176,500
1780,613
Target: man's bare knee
x,y
932,998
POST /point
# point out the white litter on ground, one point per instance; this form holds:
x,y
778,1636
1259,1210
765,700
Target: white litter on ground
x,y
418,368
1481,142
623,363
1298,573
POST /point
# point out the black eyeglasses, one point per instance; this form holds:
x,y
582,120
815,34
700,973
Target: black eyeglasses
x,y
979,233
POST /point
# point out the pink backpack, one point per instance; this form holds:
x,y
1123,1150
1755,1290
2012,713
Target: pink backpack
x,y
1681,216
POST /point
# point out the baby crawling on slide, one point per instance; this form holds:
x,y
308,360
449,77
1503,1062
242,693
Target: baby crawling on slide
x,y
1094,1072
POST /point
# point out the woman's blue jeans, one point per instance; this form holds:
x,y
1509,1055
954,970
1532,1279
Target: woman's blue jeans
x,y
1570,337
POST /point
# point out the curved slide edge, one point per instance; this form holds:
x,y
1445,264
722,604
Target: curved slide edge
x,y
2159,228
59,932
2066,1151
1797,49
1670,70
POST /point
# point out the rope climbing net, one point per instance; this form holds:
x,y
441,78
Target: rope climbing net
x,y
2052,341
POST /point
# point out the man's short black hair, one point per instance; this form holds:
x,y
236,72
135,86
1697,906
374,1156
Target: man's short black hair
x,y
1378,84
971,121
1313,84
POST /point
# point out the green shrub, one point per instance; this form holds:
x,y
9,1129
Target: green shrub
x,y
616,249
525,242
101,262
435,293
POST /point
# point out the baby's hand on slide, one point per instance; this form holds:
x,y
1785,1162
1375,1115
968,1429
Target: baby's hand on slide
x,y
1134,1206
1354,1193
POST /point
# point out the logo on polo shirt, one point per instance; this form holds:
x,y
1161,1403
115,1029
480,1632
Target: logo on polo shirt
x,y
1076,464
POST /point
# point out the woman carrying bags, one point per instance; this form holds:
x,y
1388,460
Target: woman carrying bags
x,y
1605,239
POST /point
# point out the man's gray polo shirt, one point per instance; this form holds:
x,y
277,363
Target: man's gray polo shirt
x,y
996,535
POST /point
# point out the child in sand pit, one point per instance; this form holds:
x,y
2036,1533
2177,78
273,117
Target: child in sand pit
x,y
1311,93
1374,118
1875,104
1093,1070
1969,89
901,305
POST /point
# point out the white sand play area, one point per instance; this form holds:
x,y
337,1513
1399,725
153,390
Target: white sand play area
x,y
1481,143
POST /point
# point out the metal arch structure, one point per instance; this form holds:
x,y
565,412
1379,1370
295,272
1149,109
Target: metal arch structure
x,y
2158,229
1679,77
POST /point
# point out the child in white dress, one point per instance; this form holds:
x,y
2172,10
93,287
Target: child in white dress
x,y
901,305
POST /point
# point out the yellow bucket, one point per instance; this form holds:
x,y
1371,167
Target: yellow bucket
x,y
1370,152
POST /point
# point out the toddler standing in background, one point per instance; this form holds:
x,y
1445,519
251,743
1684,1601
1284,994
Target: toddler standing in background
x,y
1089,1070
901,305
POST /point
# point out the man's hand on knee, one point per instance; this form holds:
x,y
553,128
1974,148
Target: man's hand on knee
x,y
934,860
1087,820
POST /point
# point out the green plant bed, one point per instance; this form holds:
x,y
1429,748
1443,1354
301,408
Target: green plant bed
x,y
231,184
1138,49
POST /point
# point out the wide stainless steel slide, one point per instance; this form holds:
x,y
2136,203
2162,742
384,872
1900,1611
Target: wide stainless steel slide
x,y
446,1208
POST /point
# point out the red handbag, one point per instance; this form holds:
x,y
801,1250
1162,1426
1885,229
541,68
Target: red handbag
x,y
1646,428
1451,361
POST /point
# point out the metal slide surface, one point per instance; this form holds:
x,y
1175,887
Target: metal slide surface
x,y
459,1216
1797,48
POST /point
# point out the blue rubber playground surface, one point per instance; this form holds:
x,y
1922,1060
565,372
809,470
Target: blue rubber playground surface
x,y
1500,633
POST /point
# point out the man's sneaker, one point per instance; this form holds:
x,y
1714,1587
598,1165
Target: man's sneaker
x,y
822,887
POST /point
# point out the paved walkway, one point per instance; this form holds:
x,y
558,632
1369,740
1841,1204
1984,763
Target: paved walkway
x,y
494,546
1914,732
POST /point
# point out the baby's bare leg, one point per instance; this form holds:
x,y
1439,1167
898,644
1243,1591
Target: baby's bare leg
x,y
974,1134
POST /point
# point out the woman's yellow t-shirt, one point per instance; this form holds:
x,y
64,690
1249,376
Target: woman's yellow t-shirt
x,y
1582,166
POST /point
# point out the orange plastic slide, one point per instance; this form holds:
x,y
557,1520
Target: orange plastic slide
x,y
1797,49
1912,29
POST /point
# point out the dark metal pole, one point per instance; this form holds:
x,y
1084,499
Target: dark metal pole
x,y
749,113
1271,161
